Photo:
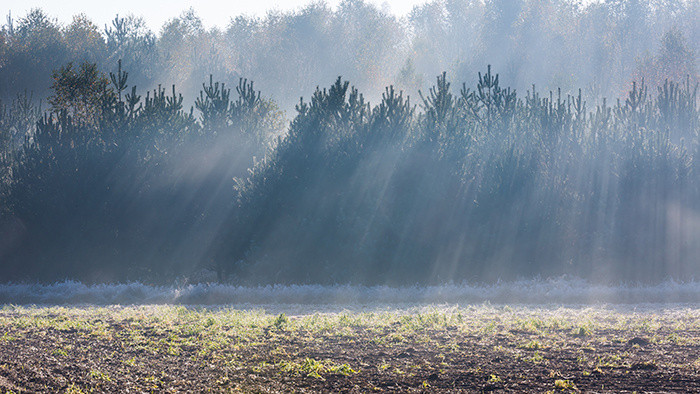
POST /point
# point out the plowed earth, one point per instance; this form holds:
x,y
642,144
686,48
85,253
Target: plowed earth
x,y
431,349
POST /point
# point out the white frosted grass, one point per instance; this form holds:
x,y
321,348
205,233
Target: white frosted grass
x,y
537,292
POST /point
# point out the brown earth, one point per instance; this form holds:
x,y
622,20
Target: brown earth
x,y
148,350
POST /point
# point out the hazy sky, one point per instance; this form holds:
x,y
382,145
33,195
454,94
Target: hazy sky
x,y
212,12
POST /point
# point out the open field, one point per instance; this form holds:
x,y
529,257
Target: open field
x,y
428,348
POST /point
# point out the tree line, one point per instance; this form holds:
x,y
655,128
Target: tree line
x,y
474,183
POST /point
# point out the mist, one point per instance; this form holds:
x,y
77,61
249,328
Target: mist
x,y
465,143
600,47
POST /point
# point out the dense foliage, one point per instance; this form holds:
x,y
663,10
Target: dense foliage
x,y
478,184
496,180
110,185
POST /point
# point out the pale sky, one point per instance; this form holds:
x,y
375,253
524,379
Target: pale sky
x,y
212,12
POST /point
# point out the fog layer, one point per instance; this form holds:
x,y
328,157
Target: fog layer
x,y
479,174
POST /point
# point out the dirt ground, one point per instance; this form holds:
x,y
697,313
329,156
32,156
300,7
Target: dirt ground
x,y
428,349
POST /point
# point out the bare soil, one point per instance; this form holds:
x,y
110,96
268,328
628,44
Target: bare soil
x,y
164,349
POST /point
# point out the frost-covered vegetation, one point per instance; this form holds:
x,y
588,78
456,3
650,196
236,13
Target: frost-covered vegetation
x,y
300,299
477,182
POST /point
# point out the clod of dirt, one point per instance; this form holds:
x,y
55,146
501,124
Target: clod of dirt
x,y
407,353
638,341
644,366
